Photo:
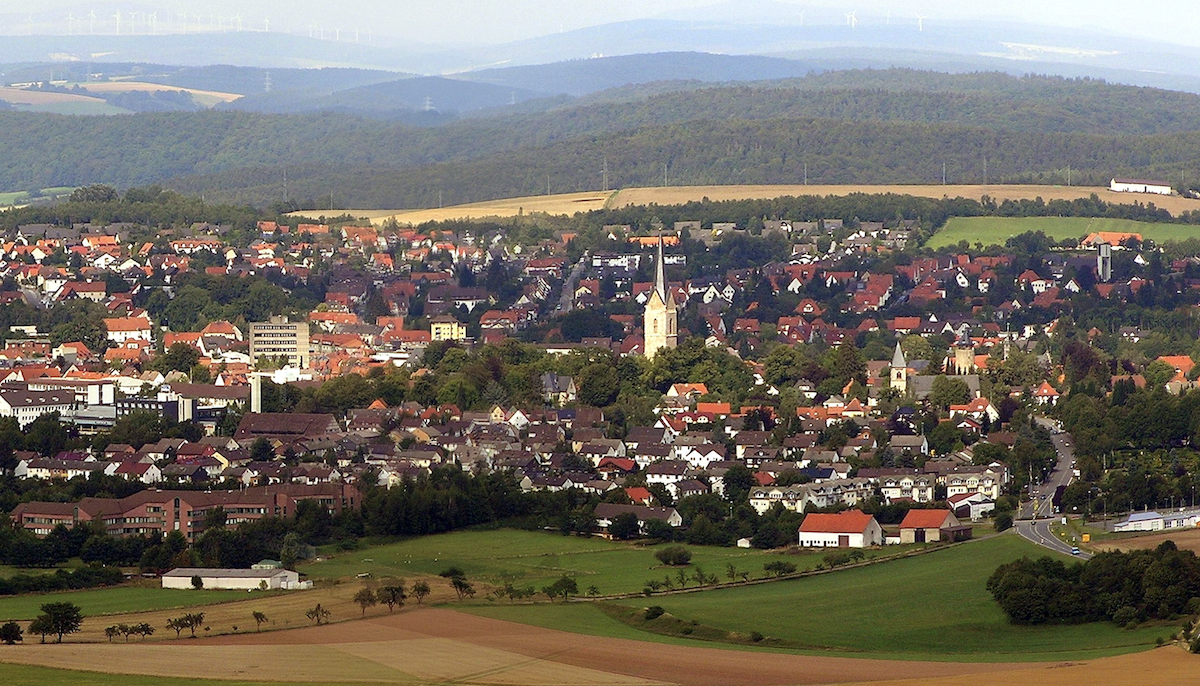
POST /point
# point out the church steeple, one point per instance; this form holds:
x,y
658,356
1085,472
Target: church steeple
x,y
661,320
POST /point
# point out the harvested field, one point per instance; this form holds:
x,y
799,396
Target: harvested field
x,y
206,98
1188,539
674,195
442,645
20,96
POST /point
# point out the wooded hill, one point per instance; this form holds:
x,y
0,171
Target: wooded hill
x,y
849,127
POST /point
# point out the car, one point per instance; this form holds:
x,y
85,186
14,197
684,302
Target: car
x,y
1074,551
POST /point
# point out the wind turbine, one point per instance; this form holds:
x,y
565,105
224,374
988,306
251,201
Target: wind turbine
x,y
921,22
802,19
851,20
117,16
267,25
238,18
92,26
71,23
153,23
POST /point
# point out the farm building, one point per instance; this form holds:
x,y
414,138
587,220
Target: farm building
x,y
1140,186
849,529
930,526
236,579
1154,521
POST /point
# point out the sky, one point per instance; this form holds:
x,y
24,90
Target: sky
x,y
499,21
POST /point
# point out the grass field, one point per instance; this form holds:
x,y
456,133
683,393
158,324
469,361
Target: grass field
x,y
109,601
997,230
570,203
528,558
930,605
203,97
29,675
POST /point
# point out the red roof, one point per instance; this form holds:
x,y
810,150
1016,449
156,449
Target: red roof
x,y
925,519
848,522
638,494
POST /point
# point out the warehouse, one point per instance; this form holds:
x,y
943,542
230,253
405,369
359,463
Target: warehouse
x,y
236,579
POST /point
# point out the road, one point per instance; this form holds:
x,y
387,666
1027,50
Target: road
x,y
566,301
1037,515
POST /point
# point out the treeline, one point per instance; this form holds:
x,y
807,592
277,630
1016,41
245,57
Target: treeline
x,y
89,576
1123,587
150,206
722,135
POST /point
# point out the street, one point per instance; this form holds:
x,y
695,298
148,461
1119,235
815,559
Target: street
x,y
1038,514
566,301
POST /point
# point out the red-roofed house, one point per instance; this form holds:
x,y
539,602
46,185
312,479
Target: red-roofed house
x,y
639,495
929,526
849,529
1045,394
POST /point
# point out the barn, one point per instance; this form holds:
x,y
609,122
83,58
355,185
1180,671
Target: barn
x,y
1140,186
849,529
235,579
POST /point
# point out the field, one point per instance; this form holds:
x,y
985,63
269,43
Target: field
x,y
108,601
673,195
440,646
205,98
56,103
1188,539
526,558
997,230
933,606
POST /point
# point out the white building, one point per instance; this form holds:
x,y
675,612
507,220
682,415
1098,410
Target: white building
x,y
27,406
235,579
849,529
1140,186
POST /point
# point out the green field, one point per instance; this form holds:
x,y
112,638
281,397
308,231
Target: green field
x,y
528,558
928,606
997,230
120,599
14,197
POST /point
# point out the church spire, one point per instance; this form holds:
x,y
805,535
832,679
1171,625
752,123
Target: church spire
x,y
660,277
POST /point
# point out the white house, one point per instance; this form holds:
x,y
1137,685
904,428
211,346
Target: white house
x,y
235,579
1140,186
849,529
27,406
1141,521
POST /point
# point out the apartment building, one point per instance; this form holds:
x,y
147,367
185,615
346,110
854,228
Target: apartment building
x,y
280,338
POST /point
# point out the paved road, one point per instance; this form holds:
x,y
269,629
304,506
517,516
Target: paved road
x,y
566,301
1037,515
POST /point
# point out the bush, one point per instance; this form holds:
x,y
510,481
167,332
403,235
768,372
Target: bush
x,y
756,637
674,556
654,612
1004,521
1125,616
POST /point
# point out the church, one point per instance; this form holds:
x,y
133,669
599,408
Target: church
x,y
660,322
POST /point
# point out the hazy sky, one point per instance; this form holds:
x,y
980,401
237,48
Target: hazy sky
x,y
505,20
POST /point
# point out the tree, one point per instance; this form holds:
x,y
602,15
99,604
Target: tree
x,y
946,392
624,526
365,598
599,385
674,556
259,619
462,587
420,589
41,626
197,582
318,614
779,567
261,450
738,482
392,595
62,618
177,624
193,621
10,633
565,586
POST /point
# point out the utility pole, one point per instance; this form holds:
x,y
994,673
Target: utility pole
x,y
606,173
664,174
985,171
1068,175
943,173
806,173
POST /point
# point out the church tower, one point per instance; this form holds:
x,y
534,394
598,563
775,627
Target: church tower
x,y
660,323
899,369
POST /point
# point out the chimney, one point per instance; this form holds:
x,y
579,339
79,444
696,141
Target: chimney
x,y
255,393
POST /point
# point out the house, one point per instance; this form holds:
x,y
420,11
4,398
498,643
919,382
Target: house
x,y
1141,521
849,529
971,506
1118,185
557,389
931,526
234,579
607,512
1045,394
447,328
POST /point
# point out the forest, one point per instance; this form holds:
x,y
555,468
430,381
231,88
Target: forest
x,y
852,127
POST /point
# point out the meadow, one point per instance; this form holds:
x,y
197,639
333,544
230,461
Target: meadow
x,y
530,558
933,605
997,230
114,600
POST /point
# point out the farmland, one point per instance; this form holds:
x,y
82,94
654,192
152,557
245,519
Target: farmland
x,y
108,601
673,195
935,606
997,230
57,103
535,559
203,97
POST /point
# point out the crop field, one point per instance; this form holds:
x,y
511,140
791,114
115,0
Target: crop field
x,y
1187,539
570,203
115,600
56,103
934,606
206,98
527,558
997,230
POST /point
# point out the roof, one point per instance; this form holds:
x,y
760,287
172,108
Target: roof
x,y
1143,516
228,573
848,522
610,510
925,519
